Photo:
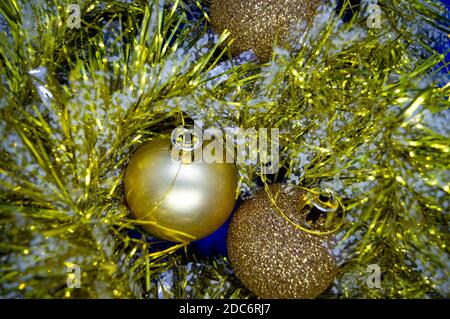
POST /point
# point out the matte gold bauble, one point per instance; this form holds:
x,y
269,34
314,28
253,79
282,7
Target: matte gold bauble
x,y
178,201
272,257
255,24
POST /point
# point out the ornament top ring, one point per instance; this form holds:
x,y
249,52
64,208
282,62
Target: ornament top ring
x,y
324,200
187,138
177,200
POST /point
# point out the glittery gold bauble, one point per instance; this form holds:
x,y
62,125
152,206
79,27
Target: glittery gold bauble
x,y
177,201
272,257
257,24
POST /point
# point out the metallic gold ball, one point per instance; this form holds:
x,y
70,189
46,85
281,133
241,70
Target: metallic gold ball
x,y
256,24
177,201
273,258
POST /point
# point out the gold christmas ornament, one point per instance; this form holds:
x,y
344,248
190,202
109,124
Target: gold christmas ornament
x,y
179,201
257,24
274,258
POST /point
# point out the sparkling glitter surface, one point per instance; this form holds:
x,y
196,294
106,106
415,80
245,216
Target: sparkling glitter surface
x,y
273,258
255,24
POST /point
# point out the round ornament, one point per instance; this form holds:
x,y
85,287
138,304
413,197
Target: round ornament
x,y
257,24
176,199
274,258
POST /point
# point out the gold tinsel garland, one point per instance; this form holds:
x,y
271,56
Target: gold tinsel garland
x,y
351,111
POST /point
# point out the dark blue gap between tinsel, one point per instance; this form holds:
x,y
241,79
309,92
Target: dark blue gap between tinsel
x,y
214,245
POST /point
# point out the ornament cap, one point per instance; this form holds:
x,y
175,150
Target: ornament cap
x,y
324,199
187,138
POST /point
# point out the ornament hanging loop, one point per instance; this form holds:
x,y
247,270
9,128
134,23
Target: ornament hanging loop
x,y
324,200
322,203
317,201
187,138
